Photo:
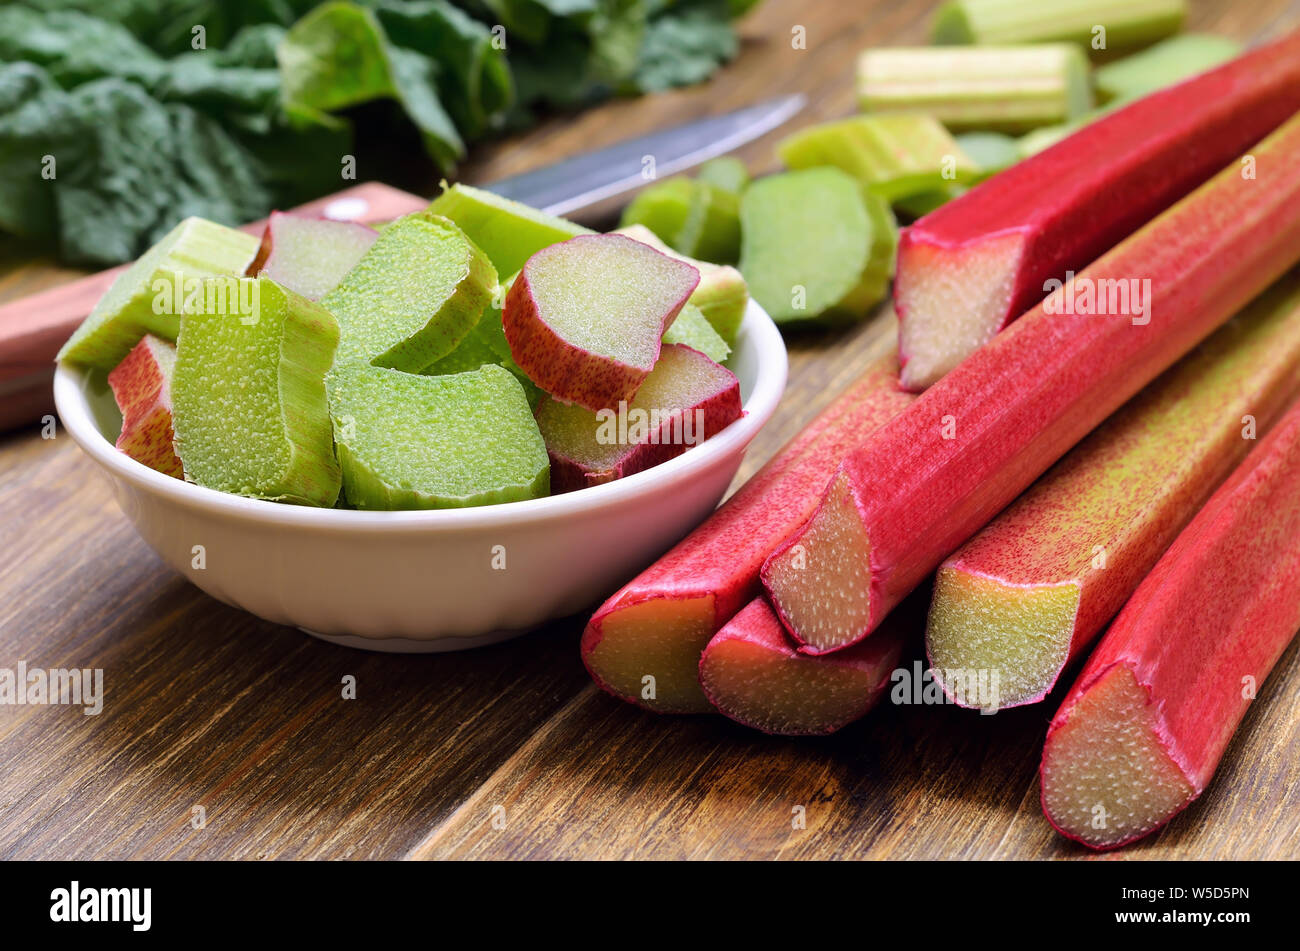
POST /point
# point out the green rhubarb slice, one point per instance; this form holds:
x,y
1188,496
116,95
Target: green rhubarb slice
x,y
726,172
662,207
485,344
693,329
721,295
1168,62
148,297
894,155
711,231
508,231
808,246
413,297
990,22
248,396
990,151
1008,89
407,441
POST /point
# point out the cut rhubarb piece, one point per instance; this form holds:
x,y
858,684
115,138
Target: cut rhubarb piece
x,y
661,207
810,248
1035,587
753,673
1169,61
1126,22
1142,731
141,386
721,294
711,230
918,206
990,151
725,172
685,400
148,297
508,232
584,317
1004,88
693,330
893,155
420,442
413,297
658,624
310,255
926,482
248,393
980,261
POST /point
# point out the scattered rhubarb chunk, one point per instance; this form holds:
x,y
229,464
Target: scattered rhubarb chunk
x,y
711,230
726,172
141,385
658,624
407,441
248,393
1144,728
508,231
1126,22
662,207
584,317
924,483
968,269
148,297
1169,61
686,399
1030,592
310,255
413,297
1003,88
753,673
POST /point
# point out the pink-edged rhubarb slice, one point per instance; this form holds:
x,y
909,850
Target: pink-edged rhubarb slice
x,y
659,622
686,399
972,266
927,481
1142,732
310,255
142,385
753,673
1036,586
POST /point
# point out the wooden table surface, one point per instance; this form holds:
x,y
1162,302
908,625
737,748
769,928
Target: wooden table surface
x,y
510,751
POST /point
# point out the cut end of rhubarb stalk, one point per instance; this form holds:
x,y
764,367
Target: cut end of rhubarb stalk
x,y
831,553
1020,632
752,673
141,385
584,318
310,255
1107,778
639,652
951,302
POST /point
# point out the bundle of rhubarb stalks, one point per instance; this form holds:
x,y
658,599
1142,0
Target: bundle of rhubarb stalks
x,y
1092,457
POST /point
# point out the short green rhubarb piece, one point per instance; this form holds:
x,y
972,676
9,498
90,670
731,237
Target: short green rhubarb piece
x,y
990,151
407,441
896,156
662,207
711,231
148,297
1168,62
694,330
413,297
1007,89
508,231
1096,25
815,247
726,172
248,395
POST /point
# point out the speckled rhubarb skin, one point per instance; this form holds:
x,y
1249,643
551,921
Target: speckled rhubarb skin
x,y
1019,403
568,372
1132,485
1071,202
720,560
141,384
756,639
1221,605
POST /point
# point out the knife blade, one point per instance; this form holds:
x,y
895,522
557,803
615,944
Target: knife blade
x,y
588,179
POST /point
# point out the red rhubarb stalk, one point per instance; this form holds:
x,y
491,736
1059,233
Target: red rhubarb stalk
x,y
928,480
971,267
1142,731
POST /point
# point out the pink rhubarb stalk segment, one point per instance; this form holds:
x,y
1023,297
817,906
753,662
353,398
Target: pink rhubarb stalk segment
x,y
753,673
1037,585
142,384
927,481
658,624
1142,731
975,264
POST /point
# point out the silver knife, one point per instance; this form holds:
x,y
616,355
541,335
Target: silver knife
x,y
591,178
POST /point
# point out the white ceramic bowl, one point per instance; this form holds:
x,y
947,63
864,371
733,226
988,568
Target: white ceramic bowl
x,y
427,580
